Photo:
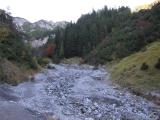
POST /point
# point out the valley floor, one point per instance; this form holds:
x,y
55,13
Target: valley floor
x,y
73,92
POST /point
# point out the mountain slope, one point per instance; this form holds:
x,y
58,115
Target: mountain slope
x,y
129,72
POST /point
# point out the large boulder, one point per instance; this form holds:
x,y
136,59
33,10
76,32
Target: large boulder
x,y
51,66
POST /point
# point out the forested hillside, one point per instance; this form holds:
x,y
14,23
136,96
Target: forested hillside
x,y
15,56
108,34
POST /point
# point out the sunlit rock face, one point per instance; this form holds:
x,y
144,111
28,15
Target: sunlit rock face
x,y
39,42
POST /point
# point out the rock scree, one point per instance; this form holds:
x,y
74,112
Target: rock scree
x,y
73,92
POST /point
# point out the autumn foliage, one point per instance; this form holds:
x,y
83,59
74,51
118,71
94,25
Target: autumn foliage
x,y
144,24
49,50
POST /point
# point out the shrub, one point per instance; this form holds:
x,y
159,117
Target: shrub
x,y
144,66
31,63
42,61
157,65
10,73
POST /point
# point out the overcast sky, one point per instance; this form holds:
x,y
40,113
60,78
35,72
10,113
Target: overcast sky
x,y
59,10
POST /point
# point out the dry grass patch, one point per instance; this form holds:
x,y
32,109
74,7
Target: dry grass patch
x,y
128,71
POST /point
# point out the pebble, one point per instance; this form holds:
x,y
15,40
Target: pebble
x,y
76,92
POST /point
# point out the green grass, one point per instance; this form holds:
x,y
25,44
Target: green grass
x,y
127,72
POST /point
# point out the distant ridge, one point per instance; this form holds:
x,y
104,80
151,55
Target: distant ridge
x,y
24,25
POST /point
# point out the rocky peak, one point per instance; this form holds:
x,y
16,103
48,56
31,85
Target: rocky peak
x,y
5,18
44,24
20,21
23,24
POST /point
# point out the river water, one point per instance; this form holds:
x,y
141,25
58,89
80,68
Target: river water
x,y
73,92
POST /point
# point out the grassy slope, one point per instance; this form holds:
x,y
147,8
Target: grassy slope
x,y
127,72
12,73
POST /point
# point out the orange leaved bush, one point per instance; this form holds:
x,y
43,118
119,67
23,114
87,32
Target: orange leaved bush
x,y
49,50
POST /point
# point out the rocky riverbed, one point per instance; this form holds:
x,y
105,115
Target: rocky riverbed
x,y
73,92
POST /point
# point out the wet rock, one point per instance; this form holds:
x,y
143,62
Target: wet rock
x,y
53,117
67,112
132,116
83,110
5,94
154,96
89,119
97,78
51,66
32,78
107,100
95,68
13,111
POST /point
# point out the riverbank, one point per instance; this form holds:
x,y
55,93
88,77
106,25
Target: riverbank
x,y
13,74
130,73
74,60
